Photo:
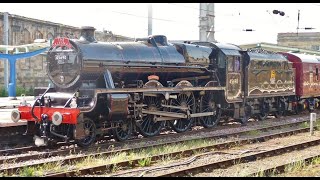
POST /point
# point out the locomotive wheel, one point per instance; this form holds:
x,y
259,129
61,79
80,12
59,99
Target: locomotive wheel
x,y
281,111
295,109
148,127
90,132
247,114
264,112
207,104
185,100
262,116
123,132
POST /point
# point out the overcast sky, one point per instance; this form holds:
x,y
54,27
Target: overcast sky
x,y
179,21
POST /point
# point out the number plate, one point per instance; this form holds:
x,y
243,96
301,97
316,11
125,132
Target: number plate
x,y
61,58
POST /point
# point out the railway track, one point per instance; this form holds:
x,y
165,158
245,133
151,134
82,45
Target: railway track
x,y
242,159
13,136
70,145
106,167
281,168
172,138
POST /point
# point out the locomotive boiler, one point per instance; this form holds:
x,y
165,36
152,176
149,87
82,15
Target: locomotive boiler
x,y
124,88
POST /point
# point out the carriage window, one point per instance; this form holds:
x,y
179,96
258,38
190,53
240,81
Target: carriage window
x,y
317,74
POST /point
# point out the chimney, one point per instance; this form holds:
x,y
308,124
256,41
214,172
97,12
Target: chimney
x,y
87,34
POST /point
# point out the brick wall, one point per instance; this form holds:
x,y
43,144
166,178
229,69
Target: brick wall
x,y
305,40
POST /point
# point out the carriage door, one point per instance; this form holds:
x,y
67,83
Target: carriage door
x,y
233,82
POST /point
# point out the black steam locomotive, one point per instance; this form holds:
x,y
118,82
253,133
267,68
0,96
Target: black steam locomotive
x,y
121,88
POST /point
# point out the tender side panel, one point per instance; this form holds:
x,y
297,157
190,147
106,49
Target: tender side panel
x,y
268,77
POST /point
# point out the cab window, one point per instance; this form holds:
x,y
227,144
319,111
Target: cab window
x,y
237,64
230,64
234,64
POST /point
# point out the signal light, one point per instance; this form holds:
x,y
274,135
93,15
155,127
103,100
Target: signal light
x,y
248,30
281,13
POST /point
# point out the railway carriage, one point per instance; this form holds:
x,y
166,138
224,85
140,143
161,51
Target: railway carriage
x,y
307,79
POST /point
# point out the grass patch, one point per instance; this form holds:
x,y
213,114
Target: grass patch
x,y
26,91
317,123
39,170
28,172
3,92
301,168
144,162
253,133
295,166
315,161
263,173
19,91
143,154
304,125
307,124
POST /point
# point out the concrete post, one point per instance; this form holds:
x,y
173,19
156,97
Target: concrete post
x,y
206,22
210,22
203,22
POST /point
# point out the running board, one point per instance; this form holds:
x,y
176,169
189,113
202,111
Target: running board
x,y
164,113
201,114
176,115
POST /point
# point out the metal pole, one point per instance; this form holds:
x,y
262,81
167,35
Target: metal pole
x,y
149,19
12,84
312,119
6,42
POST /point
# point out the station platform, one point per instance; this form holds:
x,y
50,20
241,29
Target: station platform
x,y
6,103
6,107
